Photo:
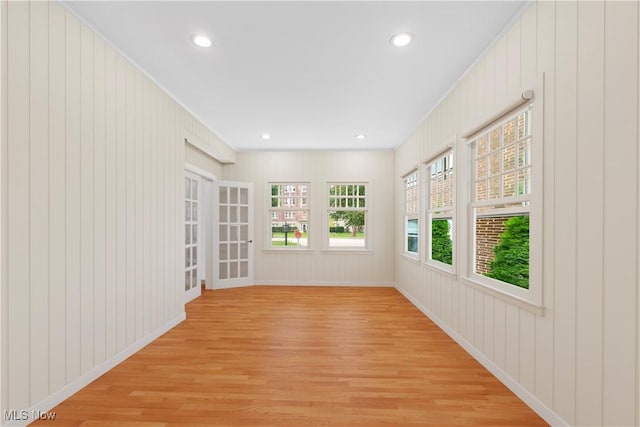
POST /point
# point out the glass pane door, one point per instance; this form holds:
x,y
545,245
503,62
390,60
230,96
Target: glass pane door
x,y
235,234
191,217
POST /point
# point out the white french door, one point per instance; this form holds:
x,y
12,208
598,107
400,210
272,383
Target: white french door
x,y
234,252
192,209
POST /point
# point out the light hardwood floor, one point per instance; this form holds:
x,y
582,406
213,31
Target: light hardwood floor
x,y
299,356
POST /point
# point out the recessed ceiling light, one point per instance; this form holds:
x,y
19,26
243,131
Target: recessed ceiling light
x,y
361,136
401,39
266,136
202,41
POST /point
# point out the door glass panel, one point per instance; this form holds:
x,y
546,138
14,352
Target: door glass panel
x,y
233,270
187,258
186,187
187,211
244,232
244,214
233,233
233,196
194,256
244,196
244,250
224,217
194,190
187,234
233,251
223,233
223,252
233,214
194,228
194,278
223,195
244,269
222,270
187,281
194,212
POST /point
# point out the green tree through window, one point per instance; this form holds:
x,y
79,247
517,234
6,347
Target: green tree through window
x,y
352,219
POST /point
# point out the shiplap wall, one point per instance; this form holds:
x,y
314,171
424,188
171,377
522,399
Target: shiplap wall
x,y
317,168
92,204
580,357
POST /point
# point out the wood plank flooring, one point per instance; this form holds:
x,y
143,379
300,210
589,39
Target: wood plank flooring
x,y
298,356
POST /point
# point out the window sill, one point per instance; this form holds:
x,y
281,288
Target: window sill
x,y
505,296
347,251
288,250
451,273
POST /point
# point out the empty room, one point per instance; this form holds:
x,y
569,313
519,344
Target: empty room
x,y
319,213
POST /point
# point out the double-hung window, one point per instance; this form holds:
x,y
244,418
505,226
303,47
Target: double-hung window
x,y
411,213
440,213
347,215
289,215
501,203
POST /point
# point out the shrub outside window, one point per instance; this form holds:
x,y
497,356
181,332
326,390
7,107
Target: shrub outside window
x,y
440,214
289,215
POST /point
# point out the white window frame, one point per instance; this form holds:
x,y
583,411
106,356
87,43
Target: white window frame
x,y
448,211
412,179
367,220
531,297
288,207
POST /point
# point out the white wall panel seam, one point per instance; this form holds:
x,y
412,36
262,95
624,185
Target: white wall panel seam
x,y
28,186
637,373
576,203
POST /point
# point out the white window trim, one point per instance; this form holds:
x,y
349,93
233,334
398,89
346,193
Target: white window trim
x,y
410,216
531,298
428,261
367,218
267,247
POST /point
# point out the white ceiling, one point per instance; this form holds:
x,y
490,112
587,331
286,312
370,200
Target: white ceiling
x,y
311,74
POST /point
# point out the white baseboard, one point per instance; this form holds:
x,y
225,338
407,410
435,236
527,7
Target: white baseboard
x,y
525,395
230,286
323,283
51,401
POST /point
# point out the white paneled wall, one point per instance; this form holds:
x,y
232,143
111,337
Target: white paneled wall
x,y
318,168
580,357
92,205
